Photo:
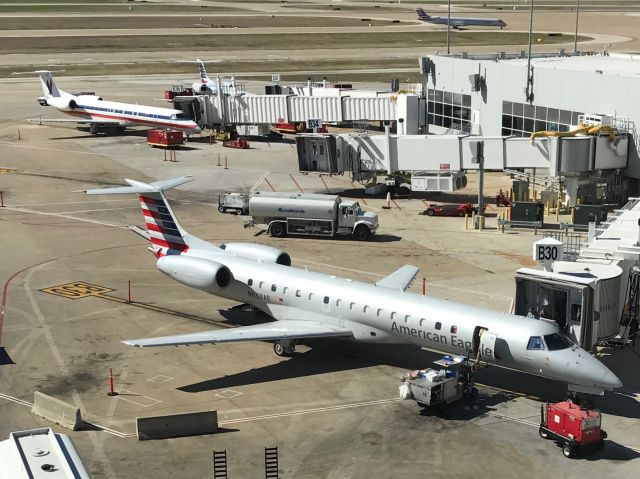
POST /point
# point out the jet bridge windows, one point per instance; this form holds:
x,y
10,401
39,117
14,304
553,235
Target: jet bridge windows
x,y
535,342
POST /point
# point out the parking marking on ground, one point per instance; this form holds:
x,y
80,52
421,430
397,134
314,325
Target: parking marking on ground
x,y
160,378
141,399
77,290
228,394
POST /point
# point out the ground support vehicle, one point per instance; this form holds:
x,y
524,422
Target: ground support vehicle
x,y
433,387
236,203
451,210
311,215
240,143
574,427
165,138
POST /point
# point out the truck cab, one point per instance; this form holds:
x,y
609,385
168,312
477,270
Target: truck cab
x,y
351,219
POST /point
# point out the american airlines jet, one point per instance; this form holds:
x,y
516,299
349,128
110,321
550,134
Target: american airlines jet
x,y
207,86
457,22
98,113
307,304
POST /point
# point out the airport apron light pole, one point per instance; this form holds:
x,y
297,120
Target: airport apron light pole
x,y
529,91
448,26
575,38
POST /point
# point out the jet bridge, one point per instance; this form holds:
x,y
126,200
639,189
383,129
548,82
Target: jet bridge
x,y
597,296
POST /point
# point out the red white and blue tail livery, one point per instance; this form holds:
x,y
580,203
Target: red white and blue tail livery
x,y
457,22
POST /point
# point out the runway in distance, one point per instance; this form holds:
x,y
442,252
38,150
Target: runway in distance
x,y
457,22
98,113
314,305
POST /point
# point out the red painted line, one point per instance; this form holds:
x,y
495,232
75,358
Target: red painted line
x,y
6,287
396,204
296,183
270,185
365,202
325,185
425,203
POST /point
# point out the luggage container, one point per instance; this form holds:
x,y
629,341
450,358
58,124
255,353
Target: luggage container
x,y
236,203
165,138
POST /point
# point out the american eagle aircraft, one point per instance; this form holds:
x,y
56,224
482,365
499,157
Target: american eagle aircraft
x,y
457,22
98,113
307,304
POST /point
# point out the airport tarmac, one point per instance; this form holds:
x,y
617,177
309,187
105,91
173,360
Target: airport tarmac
x,y
332,409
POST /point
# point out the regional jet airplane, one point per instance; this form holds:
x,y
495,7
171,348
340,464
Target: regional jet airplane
x,y
208,86
98,113
457,22
307,304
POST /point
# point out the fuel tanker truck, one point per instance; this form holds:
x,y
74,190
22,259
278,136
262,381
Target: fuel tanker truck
x,y
311,215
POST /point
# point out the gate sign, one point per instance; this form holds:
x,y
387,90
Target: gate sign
x,y
314,124
445,166
176,88
547,251
275,77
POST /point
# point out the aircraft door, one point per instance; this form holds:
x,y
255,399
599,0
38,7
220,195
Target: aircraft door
x,y
484,345
488,347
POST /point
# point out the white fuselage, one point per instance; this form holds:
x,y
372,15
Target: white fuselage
x,y
97,110
383,315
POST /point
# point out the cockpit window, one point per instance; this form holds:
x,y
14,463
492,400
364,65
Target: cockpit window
x,y
557,341
535,342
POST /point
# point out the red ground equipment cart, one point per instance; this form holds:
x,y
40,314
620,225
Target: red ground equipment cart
x,y
240,143
572,426
165,138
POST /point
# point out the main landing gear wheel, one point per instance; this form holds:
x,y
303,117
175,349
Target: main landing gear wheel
x,y
284,350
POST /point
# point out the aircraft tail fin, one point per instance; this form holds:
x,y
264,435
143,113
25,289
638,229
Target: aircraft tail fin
x,y
48,85
165,233
203,72
422,15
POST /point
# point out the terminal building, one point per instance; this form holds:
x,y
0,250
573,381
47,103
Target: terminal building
x,y
486,95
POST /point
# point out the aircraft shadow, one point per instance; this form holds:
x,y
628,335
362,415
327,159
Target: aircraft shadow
x,y
466,409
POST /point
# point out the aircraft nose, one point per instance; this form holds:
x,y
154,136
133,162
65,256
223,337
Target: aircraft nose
x,y
612,381
602,376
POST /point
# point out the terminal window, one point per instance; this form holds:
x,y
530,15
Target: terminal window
x,y
449,110
522,119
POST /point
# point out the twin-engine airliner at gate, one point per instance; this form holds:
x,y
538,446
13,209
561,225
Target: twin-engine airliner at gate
x,y
313,305
98,113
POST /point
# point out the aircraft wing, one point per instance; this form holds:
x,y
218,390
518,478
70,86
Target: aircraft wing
x,y
400,279
286,329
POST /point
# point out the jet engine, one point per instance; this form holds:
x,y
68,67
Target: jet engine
x,y
259,252
196,272
200,88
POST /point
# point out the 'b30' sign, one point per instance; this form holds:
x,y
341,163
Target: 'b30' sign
x,y
548,250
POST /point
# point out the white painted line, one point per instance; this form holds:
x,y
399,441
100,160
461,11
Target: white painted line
x,y
160,378
151,402
16,400
58,215
228,394
309,411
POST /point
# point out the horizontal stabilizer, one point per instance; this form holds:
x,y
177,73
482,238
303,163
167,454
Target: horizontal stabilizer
x,y
140,187
286,329
400,279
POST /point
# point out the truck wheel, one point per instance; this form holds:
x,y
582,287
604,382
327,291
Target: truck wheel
x,y
362,233
277,229
220,209
543,433
567,450
430,212
460,214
